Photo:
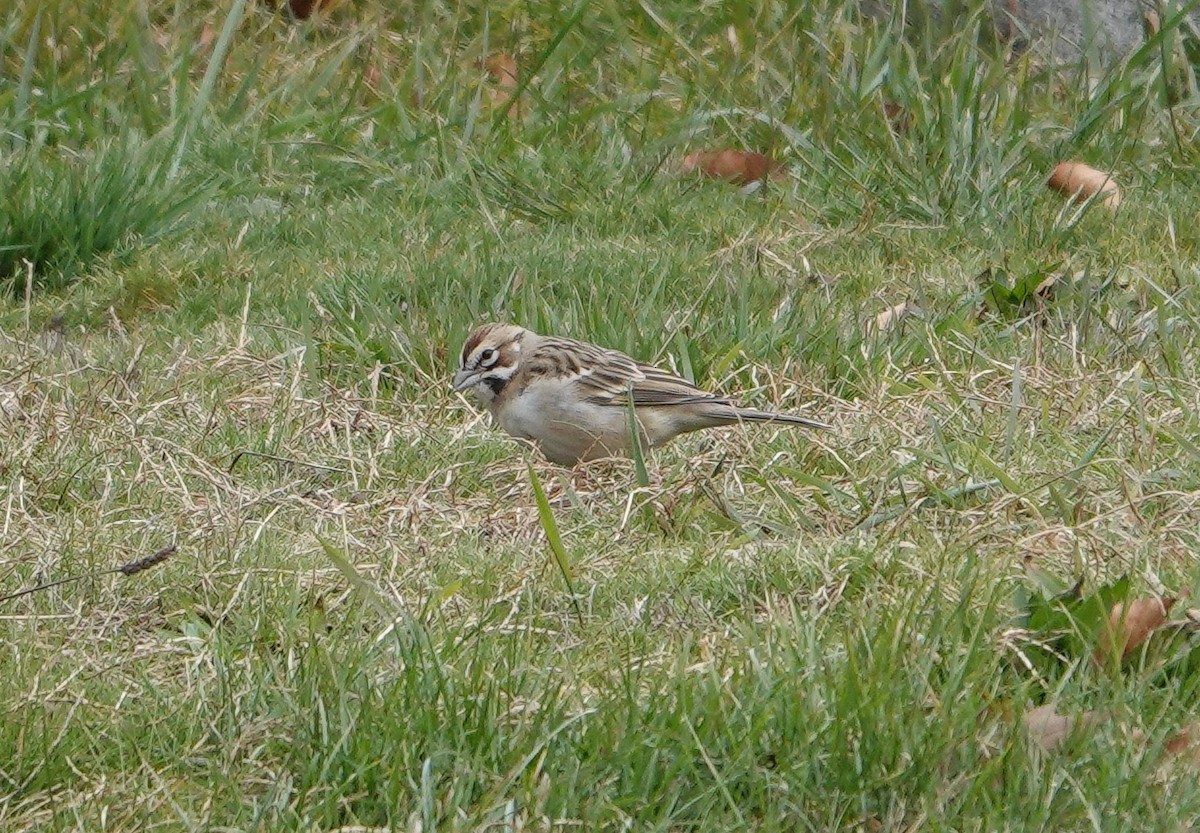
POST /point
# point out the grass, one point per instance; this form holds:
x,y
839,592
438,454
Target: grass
x,y
252,275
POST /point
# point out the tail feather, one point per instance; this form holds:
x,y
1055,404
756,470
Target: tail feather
x,y
751,415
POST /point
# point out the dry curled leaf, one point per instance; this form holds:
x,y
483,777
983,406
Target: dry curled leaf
x,y
10,405
735,43
1048,729
1128,627
1081,182
737,166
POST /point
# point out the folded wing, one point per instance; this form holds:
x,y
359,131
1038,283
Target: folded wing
x,y
610,382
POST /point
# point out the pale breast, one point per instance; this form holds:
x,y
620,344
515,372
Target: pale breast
x,y
566,428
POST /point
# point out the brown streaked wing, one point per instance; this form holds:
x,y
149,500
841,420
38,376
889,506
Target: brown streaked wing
x,y
662,388
604,376
610,385
562,357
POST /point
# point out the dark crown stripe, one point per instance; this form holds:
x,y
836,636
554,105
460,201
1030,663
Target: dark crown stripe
x,y
469,348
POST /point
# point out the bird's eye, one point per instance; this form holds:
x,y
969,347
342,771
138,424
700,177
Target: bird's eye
x,y
487,357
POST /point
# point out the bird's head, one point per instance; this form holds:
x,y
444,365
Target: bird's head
x,y
489,359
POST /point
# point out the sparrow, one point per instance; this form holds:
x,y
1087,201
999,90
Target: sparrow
x,y
572,398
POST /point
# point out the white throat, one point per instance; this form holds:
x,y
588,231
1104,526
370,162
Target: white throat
x,y
488,389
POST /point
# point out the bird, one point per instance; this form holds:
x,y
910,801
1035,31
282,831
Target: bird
x,y
572,399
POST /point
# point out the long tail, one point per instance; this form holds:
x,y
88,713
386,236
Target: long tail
x,y
751,415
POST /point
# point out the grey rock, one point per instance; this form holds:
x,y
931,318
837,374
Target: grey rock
x,y
1066,29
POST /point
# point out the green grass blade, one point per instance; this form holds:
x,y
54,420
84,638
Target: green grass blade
x,y
387,609
526,75
998,472
25,84
550,527
1014,412
635,443
207,85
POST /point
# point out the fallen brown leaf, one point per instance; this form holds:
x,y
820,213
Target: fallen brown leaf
x,y
737,166
892,316
1043,289
1184,744
371,75
1048,729
502,70
899,119
1046,288
1150,23
303,9
1130,627
1081,182
208,34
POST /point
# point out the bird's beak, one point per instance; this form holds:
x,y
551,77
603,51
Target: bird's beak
x,y
464,379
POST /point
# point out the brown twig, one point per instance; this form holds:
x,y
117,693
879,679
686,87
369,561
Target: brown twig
x,y
133,567
276,458
145,563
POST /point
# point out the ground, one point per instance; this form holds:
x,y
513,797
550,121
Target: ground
x,y
242,253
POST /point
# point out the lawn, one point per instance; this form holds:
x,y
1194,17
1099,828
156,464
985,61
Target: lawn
x,y
240,253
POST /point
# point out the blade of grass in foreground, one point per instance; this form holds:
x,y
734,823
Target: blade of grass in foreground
x,y
1014,412
25,85
389,611
525,77
207,84
550,526
635,443
647,510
